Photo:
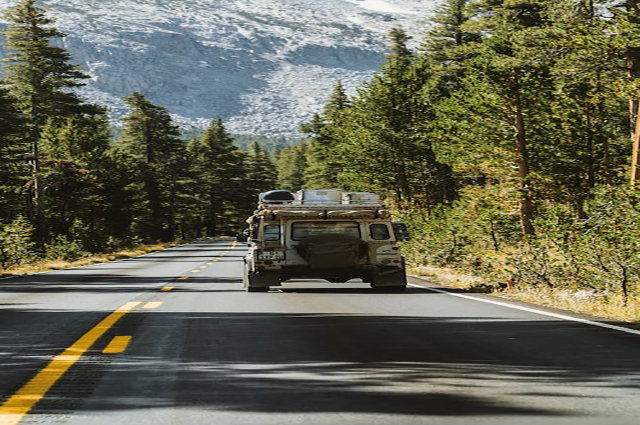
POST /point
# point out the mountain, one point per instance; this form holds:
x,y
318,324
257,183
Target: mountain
x,y
262,65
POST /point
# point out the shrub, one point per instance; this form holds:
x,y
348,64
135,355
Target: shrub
x,y
16,245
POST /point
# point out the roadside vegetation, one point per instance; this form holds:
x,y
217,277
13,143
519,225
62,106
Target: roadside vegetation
x,y
82,259
505,141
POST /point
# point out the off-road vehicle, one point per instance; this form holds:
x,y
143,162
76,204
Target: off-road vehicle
x,y
323,234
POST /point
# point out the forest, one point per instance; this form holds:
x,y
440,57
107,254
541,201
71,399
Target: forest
x,y
505,138
69,187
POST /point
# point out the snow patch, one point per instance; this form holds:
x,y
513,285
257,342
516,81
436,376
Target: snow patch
x,y
382,6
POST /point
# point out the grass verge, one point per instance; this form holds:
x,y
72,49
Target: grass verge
x,y
49,265
610,306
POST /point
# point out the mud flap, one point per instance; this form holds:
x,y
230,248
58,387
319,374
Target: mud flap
x,y
259,280
394,278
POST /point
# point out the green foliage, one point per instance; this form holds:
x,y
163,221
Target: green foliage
x,y
291,164
16,244
151,145
600,253
63,248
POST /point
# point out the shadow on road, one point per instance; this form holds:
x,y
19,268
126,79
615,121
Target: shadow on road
x,y
310,363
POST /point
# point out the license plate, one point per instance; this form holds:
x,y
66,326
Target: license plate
x,y
271,255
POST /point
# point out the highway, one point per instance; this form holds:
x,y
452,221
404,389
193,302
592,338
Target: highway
x,y
171,338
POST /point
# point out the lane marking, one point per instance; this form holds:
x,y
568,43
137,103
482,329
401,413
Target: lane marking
x,y
152,304
195,271
117,345
533,310
183,277
167,288
203,267
19,404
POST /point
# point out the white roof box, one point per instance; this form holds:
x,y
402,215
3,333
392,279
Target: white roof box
x,y
361,198
320,197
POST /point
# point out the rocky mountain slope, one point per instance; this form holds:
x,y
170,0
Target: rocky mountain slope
x,y
263,65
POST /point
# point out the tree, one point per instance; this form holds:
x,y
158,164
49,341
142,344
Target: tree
x,y
382,137
291,164
12,152
510,84
39,76
218,166
323,165
150,140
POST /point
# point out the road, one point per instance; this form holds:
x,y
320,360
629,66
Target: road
x,y
185,345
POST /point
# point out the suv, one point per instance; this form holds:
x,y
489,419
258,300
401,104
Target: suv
x,y
323,234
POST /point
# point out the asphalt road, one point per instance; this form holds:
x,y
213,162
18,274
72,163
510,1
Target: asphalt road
x,y
202,351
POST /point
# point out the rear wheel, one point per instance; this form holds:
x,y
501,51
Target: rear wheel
x,y
258,289
394,288
336,280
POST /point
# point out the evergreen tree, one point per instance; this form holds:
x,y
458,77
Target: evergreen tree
x,y
291,165
39,75
218,166
12,153
150,140
447,44
260,172
382,142
323,165
509,84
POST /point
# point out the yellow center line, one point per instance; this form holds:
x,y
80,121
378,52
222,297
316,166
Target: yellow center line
x,y
117,345
19,404
183,277
152,304
195,271
203,267
167,288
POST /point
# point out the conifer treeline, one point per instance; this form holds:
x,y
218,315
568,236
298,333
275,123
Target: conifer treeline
x,y
504,139
66,187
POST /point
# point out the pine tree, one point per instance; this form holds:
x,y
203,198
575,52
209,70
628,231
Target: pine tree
x,y
510,84
382,144
446,45
323,165
39,76
291,165
218,165
150,140
12,153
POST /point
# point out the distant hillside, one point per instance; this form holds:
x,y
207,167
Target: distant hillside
x,y
264,66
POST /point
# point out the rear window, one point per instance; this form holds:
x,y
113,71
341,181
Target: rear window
x,y
301,230
379,232
272,232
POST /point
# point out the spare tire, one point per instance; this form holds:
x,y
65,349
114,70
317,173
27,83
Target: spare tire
x,y
332,250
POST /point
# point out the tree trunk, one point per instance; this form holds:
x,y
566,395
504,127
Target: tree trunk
x,y
633,65
38,192
526,204
213,220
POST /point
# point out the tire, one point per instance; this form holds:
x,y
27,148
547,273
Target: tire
x,y
258,289
390,288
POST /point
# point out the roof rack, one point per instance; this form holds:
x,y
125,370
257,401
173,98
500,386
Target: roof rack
x,y
319,199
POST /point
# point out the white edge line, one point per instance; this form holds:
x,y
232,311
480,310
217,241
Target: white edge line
x,y
533,310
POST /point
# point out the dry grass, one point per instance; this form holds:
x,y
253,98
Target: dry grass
x,y
587,302
48,265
